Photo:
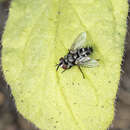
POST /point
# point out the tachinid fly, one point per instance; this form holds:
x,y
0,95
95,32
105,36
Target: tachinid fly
x,y
78,55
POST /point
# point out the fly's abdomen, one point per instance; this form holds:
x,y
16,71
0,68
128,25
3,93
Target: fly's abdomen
x,y
84,51
88,50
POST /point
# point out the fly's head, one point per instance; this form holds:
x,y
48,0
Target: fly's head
x,y
62,64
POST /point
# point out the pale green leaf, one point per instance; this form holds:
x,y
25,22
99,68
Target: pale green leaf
x,y
37,34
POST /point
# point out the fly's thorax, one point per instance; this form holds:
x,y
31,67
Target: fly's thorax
x,y
67,61
75,56
70,58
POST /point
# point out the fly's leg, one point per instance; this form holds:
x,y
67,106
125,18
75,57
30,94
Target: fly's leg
x,y
58,65
63,71
81,72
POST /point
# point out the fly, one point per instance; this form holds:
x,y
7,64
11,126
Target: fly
x,y
78,55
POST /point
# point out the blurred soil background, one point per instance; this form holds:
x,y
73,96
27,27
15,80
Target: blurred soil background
x,y
10,119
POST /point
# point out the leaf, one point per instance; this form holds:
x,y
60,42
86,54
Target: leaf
x,y
37,34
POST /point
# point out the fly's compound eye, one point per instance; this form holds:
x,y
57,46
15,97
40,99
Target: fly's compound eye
x,y
64,66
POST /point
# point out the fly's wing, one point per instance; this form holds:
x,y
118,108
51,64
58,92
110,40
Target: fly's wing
x,y
91,63
79,41
88,62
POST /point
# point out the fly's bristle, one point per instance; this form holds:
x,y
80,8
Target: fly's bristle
x,y
90,48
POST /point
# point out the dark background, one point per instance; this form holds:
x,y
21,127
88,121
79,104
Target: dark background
x,y
11,120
